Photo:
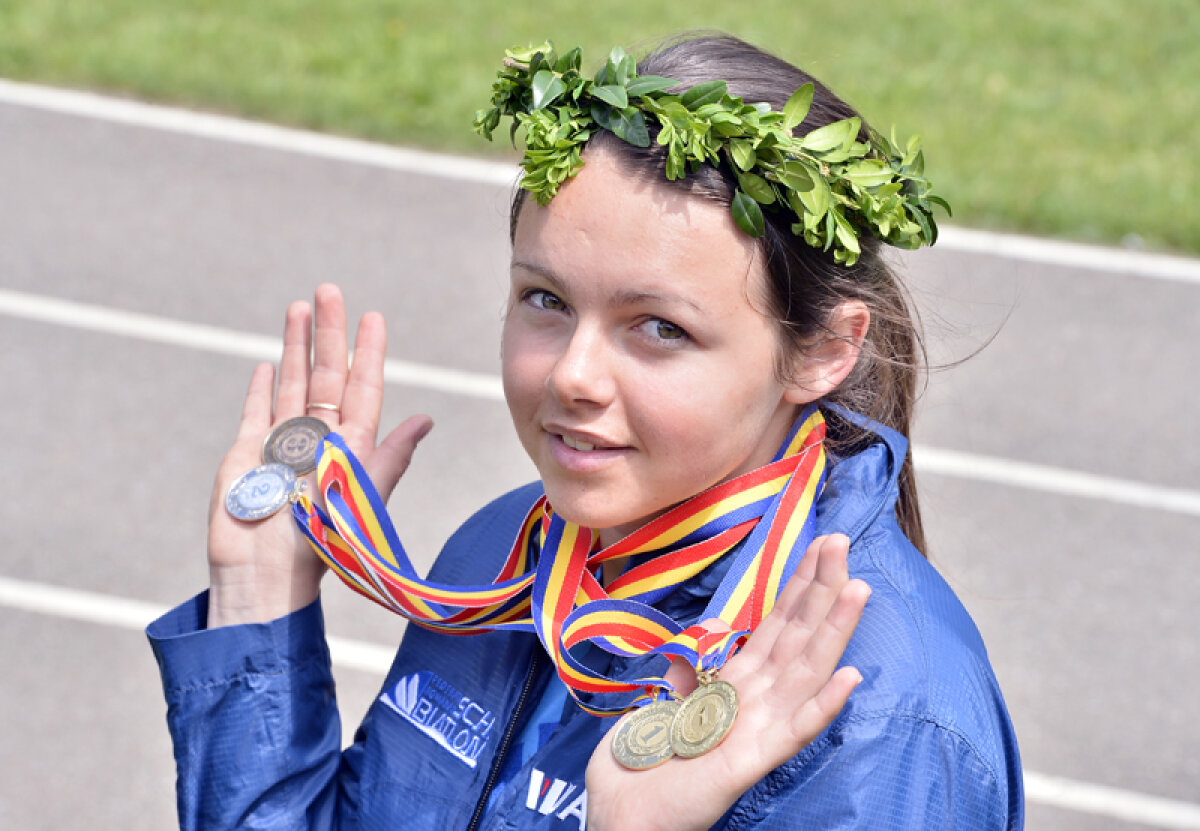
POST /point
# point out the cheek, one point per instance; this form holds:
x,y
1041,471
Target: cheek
x,y
522,368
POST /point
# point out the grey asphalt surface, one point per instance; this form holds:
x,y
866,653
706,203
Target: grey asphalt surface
x,y
1088,607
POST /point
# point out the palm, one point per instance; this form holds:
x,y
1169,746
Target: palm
x,y
265,569
788,693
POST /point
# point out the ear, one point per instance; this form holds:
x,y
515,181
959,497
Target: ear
x,y
827,361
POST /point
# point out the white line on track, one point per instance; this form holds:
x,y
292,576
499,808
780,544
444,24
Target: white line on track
x,y
481,385
1055,480
130,614
1153,811
224,341
239,131
126,613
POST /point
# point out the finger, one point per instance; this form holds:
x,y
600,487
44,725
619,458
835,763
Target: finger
x,y
831,575
820,711
758,647
256,409
363,397
824,649
293,366
830,600
789,599
389,461
814,661
328,379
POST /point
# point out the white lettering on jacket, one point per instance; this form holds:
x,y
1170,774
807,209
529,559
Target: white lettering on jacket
x,y
440,711
553,796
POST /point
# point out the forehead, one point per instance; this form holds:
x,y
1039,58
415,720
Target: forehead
x,y
608,223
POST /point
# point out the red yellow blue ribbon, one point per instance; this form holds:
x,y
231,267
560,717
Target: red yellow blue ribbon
x,y
548,582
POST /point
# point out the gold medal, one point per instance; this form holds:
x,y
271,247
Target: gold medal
x,y
704,718
643,739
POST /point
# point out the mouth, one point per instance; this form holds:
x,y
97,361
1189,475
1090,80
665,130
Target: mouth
x,y
580,451
577,444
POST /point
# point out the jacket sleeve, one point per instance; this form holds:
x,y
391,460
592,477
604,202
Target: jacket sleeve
x,y
890,772
254,722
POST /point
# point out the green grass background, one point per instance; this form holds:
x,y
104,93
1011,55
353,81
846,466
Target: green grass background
x,y
1071,118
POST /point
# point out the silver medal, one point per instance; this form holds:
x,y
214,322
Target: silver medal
x,y
294,443
261,492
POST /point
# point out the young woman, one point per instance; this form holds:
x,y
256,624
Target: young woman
x,y
664,357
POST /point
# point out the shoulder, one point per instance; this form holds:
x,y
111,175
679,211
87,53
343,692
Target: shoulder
x,y
918,649
886,772
926,737
474,552
925,740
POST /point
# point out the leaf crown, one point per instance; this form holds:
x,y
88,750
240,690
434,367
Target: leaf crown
x,y
837,186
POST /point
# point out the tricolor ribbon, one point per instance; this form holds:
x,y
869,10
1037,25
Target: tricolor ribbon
x,y
548,582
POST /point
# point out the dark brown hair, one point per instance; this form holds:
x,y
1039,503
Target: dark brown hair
x,y
805,284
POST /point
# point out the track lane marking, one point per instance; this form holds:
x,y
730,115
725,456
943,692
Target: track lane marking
x,y
362,656
933,460
221,341
498,174
136,615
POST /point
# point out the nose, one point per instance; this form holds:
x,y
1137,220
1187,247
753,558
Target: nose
x,y
582,375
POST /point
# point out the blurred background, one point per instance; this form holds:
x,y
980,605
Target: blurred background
x,y
147,255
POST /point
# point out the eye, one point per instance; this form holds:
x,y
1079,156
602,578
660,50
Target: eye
x,y
542,299
664,331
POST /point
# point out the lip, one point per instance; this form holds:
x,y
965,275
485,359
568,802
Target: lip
x,y
603,452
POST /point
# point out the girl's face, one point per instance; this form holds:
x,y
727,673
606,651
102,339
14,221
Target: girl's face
x,y
637,367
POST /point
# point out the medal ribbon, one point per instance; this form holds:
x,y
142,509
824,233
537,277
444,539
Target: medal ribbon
x,y
559,597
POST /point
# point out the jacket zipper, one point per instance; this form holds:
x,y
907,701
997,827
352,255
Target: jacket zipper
x,y
505,741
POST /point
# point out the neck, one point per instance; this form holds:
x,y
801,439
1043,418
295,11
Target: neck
x,y
612,569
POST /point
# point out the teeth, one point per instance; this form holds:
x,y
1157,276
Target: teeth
x,y
577,445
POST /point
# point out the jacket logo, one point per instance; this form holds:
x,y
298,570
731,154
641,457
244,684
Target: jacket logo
x,y
441,712
554,796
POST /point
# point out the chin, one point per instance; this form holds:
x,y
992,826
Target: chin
x,y
598,512
587,510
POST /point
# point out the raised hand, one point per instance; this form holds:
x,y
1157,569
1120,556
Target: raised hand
x,y
788,693
259,571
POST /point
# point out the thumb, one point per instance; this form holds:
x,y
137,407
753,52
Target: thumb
x,y
389,461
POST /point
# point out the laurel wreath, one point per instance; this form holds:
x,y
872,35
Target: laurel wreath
x,y
835,185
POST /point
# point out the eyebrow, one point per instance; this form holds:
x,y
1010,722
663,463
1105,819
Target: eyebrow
x,y
620,298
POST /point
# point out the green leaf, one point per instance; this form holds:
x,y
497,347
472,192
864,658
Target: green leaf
x,y
546,87
831,136
845,234
926,222
614,61
626,69
868,173
602,115
648,84
629,124
612,94
569,61
676,169
757,188
747,215
797,107
937,200
817,199
743,153
797,176
705,93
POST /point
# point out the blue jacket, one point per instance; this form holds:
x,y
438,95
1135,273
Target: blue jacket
x,y
925,741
